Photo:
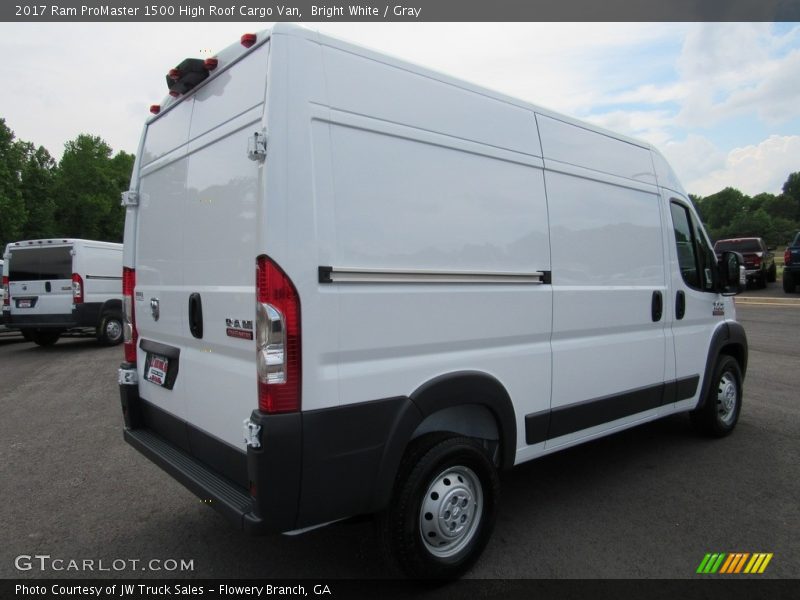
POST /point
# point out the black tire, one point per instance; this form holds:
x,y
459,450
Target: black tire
x,y
788,283
720,413
772,274
45,338
27,334
762,280
440,472
109,333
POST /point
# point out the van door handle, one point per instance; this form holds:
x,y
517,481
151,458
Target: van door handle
x,y
196,315
680,305
47,287
657,306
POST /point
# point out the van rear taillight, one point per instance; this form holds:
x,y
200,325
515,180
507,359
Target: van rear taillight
x,y
277,339
130,334
6,295
77,289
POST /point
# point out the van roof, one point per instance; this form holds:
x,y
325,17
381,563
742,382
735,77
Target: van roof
x,y
61,242
232,53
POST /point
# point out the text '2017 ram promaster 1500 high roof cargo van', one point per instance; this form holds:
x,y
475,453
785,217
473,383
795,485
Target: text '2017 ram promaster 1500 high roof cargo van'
x,y
354,286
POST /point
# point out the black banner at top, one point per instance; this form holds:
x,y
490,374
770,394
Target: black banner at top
x,y
397,10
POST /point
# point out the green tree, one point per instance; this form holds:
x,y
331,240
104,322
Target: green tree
x,y
722,208
12,207
36,186
87,186
791,188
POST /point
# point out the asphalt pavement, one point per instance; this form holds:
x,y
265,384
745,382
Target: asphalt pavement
x,y
645,503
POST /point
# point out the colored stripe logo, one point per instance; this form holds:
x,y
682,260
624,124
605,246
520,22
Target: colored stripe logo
x,y
734,563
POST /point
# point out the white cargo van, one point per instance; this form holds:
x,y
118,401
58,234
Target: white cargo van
x,y
353,285
58,285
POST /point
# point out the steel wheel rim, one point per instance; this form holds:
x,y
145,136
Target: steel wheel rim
x,y
113,329
727,397
451,511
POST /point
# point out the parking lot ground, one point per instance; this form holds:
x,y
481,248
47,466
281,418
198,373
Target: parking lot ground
x,y
649,502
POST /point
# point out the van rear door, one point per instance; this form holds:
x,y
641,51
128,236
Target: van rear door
x,y
196,251
40,280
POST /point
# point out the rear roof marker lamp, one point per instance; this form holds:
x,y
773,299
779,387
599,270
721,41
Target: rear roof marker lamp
x,y
248,40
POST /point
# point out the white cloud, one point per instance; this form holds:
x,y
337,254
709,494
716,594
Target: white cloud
x,y
732,69
751,169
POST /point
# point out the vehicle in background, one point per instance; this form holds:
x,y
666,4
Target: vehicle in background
x,y
57,285
759,260
791,265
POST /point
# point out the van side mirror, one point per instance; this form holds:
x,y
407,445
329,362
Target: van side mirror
x,y
732,277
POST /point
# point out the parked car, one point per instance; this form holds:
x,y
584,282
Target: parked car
x,y
58,285
759,260
356,286
791,265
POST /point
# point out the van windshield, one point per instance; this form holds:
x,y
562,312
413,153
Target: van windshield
x,y
32,264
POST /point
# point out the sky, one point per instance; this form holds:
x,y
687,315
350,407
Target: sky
x,y
720,100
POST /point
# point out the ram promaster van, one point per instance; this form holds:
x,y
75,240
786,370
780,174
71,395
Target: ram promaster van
x,y
59,285
356,286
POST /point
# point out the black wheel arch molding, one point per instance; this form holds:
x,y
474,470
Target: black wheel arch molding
x,y
445,391
729,338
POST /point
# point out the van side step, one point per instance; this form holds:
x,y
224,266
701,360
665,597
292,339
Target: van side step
x,y
224,496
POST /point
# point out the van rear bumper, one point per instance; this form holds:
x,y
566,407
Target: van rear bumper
x,y
83,315
312,467
179,450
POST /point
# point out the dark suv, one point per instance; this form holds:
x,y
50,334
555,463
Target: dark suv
x,y
759,261
791,265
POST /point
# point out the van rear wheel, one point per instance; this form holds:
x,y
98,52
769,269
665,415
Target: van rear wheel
x,y
720,413
443,508
45,338
110,331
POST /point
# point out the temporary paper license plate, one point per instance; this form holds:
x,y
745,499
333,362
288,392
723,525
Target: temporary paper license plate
x,y
157,369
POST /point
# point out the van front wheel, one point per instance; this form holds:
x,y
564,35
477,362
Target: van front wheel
x,y
443,509
720,413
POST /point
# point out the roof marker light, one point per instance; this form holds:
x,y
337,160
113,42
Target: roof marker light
x,y
248,39
174,74
155,109
174,94
211,63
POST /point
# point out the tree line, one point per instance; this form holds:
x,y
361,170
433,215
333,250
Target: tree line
x,y
730,213
79,196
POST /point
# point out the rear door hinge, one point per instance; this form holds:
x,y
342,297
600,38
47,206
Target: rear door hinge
x,y
130,198
257,146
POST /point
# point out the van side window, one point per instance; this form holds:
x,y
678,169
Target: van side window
x,y
696,258
686,244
